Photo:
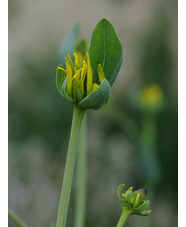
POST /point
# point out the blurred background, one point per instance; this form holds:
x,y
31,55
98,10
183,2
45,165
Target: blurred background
x,y
133,140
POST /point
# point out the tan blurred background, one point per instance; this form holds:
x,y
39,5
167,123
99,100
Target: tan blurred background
x,y
39,119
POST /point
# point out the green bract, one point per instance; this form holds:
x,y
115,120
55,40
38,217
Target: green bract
x,y
86,82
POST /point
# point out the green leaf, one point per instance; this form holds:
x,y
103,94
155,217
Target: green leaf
x,y
64,90
106,49
143,207
59,79
128,197
119,191
68,44
97,98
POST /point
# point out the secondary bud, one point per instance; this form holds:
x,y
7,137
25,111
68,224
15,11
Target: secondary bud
x,y
134,202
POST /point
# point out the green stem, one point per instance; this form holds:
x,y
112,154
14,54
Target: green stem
x,y
81,179
124,215
78,114
16,218
148,153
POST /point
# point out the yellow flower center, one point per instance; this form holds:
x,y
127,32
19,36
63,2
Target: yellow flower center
x,y
80,80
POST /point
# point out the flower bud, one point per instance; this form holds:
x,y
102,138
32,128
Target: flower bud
x,y
134,201
141,193
86,82
75,83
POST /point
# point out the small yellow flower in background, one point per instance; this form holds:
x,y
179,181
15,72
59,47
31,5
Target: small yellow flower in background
x,y
151,95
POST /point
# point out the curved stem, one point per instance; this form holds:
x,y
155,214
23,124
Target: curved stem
x,y
15,218
124,215
81,179
78,114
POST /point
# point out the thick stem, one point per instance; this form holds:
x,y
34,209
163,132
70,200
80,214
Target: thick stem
x,y
80,205
124,215
16,219
78,114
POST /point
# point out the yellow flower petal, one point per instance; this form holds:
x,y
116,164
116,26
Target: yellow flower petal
x,y
83,88
89,75
80,57
77,65
100,73
68,68
69,86
63,70
71,63
75,83
95,86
